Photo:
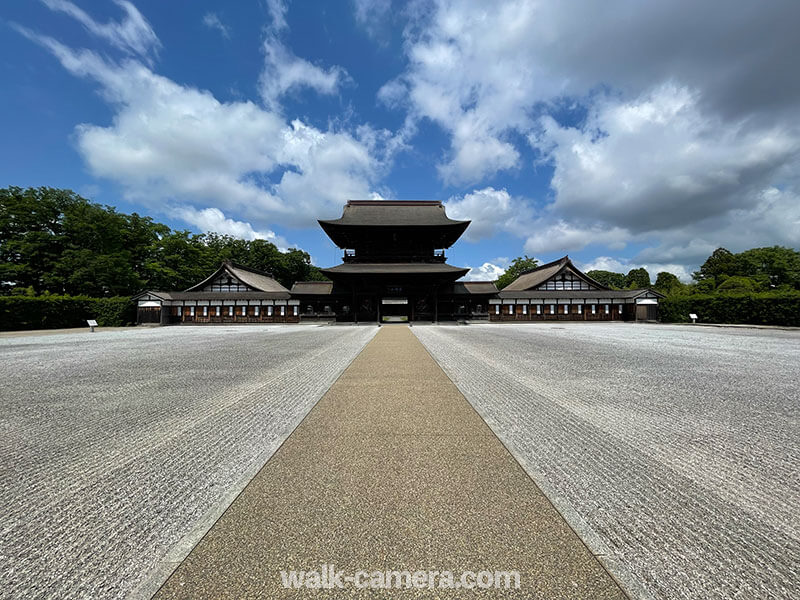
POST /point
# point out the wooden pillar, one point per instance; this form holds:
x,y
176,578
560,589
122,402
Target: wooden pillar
x,y
378,309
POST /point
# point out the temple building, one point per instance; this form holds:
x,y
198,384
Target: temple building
x,y
560,291
232,294
394,269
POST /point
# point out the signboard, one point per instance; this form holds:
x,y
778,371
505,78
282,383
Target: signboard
x,y
394,301
92,323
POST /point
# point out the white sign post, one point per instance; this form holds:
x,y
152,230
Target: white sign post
x,y
92,324
693,317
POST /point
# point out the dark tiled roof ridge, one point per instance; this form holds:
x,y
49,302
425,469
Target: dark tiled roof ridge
x,y
394,203
561,261
236,265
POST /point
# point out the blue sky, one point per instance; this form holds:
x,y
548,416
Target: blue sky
x,y
622,133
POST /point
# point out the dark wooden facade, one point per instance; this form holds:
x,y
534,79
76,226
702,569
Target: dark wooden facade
x,y
394,269
232,294
559,291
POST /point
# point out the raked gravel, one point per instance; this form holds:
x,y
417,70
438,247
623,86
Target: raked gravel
x,y
677,448
114,445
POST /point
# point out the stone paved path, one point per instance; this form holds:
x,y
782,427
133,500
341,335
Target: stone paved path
x,y
391,470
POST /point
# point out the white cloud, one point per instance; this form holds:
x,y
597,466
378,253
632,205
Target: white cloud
x,y
490,211
681,142
133,34
486,272
562,236
169,143
277,12
211,20
658,161
622,265
214,220
372,15
285,72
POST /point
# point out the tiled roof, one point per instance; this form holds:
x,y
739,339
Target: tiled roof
x,y
258,280
218,295
371,213
473,287
395,269
539,275
312,287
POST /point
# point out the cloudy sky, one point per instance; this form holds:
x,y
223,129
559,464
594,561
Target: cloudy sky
x,y
623,133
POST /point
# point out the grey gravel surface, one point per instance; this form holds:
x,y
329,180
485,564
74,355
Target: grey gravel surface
x,y
114,445
676,448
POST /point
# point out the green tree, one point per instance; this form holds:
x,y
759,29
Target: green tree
x,y
55,242
608,278
30,234
667,283
721,262
518,266
637,279
740,284
780,265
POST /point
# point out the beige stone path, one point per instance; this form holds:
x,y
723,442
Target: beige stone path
x,y
392,470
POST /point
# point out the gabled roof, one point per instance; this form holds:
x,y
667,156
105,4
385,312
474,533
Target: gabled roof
x,y
537,276
258,280
214,295
312,287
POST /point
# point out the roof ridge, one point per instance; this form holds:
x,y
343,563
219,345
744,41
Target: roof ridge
x,y
394,203
235,265
563,260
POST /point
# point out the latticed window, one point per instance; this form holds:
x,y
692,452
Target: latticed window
x,y
565,281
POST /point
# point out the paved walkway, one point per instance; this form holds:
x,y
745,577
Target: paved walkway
x,y
392,470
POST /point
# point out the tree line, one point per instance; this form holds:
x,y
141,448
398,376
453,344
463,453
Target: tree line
x,y
771,269
53,241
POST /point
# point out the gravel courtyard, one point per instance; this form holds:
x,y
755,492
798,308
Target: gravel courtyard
x,y
673,449
115,445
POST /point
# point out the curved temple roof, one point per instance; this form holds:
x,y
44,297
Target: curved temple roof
x,y
371,218
433,269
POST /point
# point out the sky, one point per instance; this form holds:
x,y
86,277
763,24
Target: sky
x,y
622,133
